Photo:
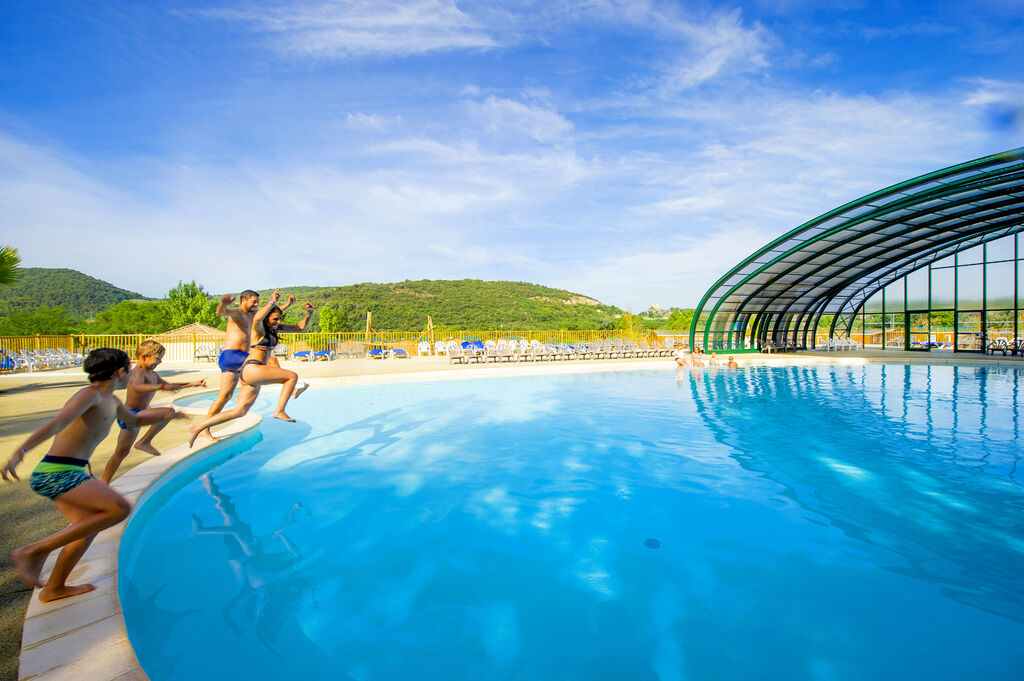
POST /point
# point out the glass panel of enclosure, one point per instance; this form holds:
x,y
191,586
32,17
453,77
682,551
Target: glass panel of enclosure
x,y
999,285
971,256
1000,249
941,333
873,330
999,330
970,287
917,290
894,296
943,288
1020,283
920,323
895,330
968,331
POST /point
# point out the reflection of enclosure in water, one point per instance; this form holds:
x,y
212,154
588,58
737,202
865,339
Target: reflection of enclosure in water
x,y
951,473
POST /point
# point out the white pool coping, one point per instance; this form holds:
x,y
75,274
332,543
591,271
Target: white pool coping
x,y
85,637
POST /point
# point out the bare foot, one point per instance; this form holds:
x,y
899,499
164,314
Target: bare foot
x,y
207,435
284,417
47,594
147,447
29,566
193,434
301,389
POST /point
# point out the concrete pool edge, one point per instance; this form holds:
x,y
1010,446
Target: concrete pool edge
x,y
86,637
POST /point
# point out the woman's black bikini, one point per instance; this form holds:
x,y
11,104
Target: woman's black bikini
x,y
268,342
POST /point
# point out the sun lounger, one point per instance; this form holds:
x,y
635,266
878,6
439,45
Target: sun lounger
x,y
374,353
326,355
303,355
399,353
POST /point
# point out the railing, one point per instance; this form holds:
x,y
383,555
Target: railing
x,y
188,347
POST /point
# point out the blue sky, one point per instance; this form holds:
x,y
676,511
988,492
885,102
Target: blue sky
x,y
631,151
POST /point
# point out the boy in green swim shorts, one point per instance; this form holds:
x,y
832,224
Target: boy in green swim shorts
x,y
143,383
88,504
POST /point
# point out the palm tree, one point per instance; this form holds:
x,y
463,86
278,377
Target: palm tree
x,y
9,265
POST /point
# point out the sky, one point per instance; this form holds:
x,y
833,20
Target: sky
x,y
632,151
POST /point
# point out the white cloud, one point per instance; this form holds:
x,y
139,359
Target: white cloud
x,y
509,116
720,47
348,28
361,121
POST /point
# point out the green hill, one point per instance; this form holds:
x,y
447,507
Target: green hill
x,y
458,304
80,295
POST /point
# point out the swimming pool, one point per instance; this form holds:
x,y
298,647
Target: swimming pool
x,y
825,523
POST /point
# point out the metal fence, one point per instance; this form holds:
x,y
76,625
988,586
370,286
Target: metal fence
x,y
191,347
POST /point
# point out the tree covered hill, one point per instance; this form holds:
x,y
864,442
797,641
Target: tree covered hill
x,y
456,304
80,295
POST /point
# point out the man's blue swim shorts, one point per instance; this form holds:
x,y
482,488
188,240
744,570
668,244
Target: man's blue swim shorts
x,y
232,360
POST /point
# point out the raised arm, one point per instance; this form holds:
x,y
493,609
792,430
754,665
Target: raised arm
x,y
76,406
222,306
302,322
289,303
265,310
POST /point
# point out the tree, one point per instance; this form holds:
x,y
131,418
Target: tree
x,y
45,321
680,320
133,316
188,303
329,320
9,261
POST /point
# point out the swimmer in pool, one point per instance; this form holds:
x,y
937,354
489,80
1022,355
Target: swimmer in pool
x,y
256,372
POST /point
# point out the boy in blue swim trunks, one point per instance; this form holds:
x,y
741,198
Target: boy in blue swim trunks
x,y
143,384
88,504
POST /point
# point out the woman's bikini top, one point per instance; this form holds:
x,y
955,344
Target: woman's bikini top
x,y
269,339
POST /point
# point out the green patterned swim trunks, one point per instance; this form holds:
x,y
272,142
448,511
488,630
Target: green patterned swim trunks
x,y
54,479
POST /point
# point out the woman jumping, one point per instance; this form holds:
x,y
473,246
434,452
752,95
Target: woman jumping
x,y
266,326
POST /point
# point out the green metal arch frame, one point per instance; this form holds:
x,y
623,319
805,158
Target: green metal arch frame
x,y
927,218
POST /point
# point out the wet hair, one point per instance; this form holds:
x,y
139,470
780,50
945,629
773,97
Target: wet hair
x,y
248,293
149,348
102,363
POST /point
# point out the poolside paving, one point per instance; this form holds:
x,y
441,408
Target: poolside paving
x,y
85,637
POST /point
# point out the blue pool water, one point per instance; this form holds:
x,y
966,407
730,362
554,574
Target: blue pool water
x,y
826,523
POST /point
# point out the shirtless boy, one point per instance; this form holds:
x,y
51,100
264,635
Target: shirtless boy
x,y
143,384
236,347
88,504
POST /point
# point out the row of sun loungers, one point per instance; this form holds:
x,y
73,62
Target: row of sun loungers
x,y
529,351
771,346
840,344
30,360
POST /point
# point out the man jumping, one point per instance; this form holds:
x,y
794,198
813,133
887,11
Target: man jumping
x,y
236,347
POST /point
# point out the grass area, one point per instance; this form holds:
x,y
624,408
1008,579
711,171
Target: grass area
x,y
28,401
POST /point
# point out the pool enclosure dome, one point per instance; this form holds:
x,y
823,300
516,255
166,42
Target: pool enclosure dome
x,y
816,282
